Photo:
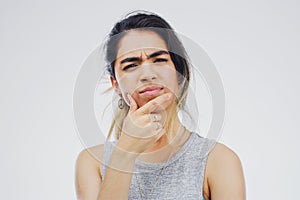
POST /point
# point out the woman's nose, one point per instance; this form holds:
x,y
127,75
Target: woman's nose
x,y
147,73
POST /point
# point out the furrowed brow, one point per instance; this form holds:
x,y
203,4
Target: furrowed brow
x,y
130,59
158,53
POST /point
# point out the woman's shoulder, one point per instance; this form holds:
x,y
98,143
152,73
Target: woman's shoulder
x,y
218,154
221,152
88,172
222,159
91,157
224,173
94,152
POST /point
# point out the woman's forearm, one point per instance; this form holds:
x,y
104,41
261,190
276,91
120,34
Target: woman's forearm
x,y
117,180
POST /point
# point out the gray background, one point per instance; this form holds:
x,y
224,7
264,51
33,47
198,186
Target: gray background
x,y
43,44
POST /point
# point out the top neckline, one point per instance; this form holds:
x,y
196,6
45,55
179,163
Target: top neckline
x,y
141,165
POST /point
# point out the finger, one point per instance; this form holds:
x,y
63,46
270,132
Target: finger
x,y
142,121
132,103
145,132
159,134
159,101
155,117
153,130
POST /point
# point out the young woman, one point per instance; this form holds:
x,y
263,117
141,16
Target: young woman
x,y
154,156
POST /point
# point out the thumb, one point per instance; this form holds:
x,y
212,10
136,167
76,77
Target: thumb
x,y
132,103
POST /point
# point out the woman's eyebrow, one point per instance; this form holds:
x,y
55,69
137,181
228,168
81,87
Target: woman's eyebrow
x,y
130,59
157,53
134,59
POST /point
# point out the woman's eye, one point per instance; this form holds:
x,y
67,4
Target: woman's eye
x,y
129,66
160,60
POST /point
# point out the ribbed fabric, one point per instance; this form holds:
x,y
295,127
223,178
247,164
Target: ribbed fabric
x,y
182,177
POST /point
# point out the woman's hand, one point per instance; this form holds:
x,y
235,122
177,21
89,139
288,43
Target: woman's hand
x,y
143,127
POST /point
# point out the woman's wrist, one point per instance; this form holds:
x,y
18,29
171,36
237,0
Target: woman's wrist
x,y
122,160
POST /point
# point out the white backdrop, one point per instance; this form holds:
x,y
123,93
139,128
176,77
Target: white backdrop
x,y
44,43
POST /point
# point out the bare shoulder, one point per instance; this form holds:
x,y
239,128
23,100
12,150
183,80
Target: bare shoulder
x,y
91,157
88,172
92,153
222,154
224,174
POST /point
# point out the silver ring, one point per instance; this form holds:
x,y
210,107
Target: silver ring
x,y
158,125
154,118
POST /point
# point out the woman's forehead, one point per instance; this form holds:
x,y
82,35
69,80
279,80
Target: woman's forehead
x,y
136,42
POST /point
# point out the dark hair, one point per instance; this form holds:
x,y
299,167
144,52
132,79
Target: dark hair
x,y
152,22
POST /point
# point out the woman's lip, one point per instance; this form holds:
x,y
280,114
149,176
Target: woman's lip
x,y
151,90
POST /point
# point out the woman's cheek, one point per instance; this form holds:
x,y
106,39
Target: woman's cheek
x,y
170,79
126,88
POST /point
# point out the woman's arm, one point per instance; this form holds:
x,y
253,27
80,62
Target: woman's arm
x,y
116,185
138,134
225,175
88,175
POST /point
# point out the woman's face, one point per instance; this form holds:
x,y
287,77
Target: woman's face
x,y
143,67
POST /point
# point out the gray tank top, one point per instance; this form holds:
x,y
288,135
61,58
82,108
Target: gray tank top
x,y
182,176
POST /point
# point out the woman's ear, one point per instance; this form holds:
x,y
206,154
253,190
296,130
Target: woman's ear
x,y
115,85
